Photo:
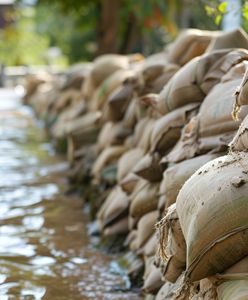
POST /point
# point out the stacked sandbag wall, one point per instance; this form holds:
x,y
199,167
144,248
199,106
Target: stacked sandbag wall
x,y
150,136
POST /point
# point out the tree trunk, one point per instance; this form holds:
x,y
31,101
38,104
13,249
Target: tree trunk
x,y
107,27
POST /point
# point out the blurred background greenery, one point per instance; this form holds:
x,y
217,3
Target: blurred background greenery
x,y
62,32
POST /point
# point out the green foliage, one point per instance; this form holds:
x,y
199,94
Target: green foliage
x,y
216,10
20,44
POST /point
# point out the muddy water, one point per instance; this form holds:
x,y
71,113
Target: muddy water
x,y
45,252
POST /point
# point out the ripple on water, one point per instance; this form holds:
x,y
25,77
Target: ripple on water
x,y
44,249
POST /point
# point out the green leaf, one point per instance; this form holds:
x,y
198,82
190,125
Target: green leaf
x,y
222,7
209,10
245,11
218,19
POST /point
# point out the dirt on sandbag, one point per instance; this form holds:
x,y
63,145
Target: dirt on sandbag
x,y
212,208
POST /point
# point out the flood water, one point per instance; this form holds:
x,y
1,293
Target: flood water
x,y
45,252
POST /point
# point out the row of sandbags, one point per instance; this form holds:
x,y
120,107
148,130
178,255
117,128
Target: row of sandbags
x,y
136,130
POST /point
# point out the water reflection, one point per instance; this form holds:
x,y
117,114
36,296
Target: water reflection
x,y
44,249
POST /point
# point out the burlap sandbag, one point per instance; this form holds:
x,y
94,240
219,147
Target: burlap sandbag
x,y
116,208
144,200
241,95
169,290
150,247
234,289
127,162
236,38
194,80
240,140
146,227
143,138
215,112
107,156
120,227
153,281
107,87
105,65
172,248
189,44
149,167
212,208
129,182
175,176
167,129
117,102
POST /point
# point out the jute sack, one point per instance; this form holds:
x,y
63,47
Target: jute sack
x,y
175,176
76,126
236,38
153,281
240,140
172,247
149,168
236,288
214,223
194,80
105,65
117,102
144,199
65,99
107,202
107,87
167,129
156,85
241,95
215,114
112,134
181,89
169,290
214,66
116,208
129,182
189,44
107,156
146,227
127,162
150,246
120,227
143,138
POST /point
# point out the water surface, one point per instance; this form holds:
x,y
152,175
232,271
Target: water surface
x,y
45,252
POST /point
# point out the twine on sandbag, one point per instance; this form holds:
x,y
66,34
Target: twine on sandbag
x,y
162,230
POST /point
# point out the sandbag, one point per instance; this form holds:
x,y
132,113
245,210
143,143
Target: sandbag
x,y
240,140
241,95
236,38
127,162
146,227
129,182
236,289
149,168
153,281
189,44
107,87
169,290
150,247
116,208
172,247
175,176
167,129
215,113
105,65
195,79
143,138
144,200
117,102
120,227
107,155
212,208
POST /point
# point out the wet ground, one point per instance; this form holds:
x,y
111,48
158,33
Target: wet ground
x,y
45,252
